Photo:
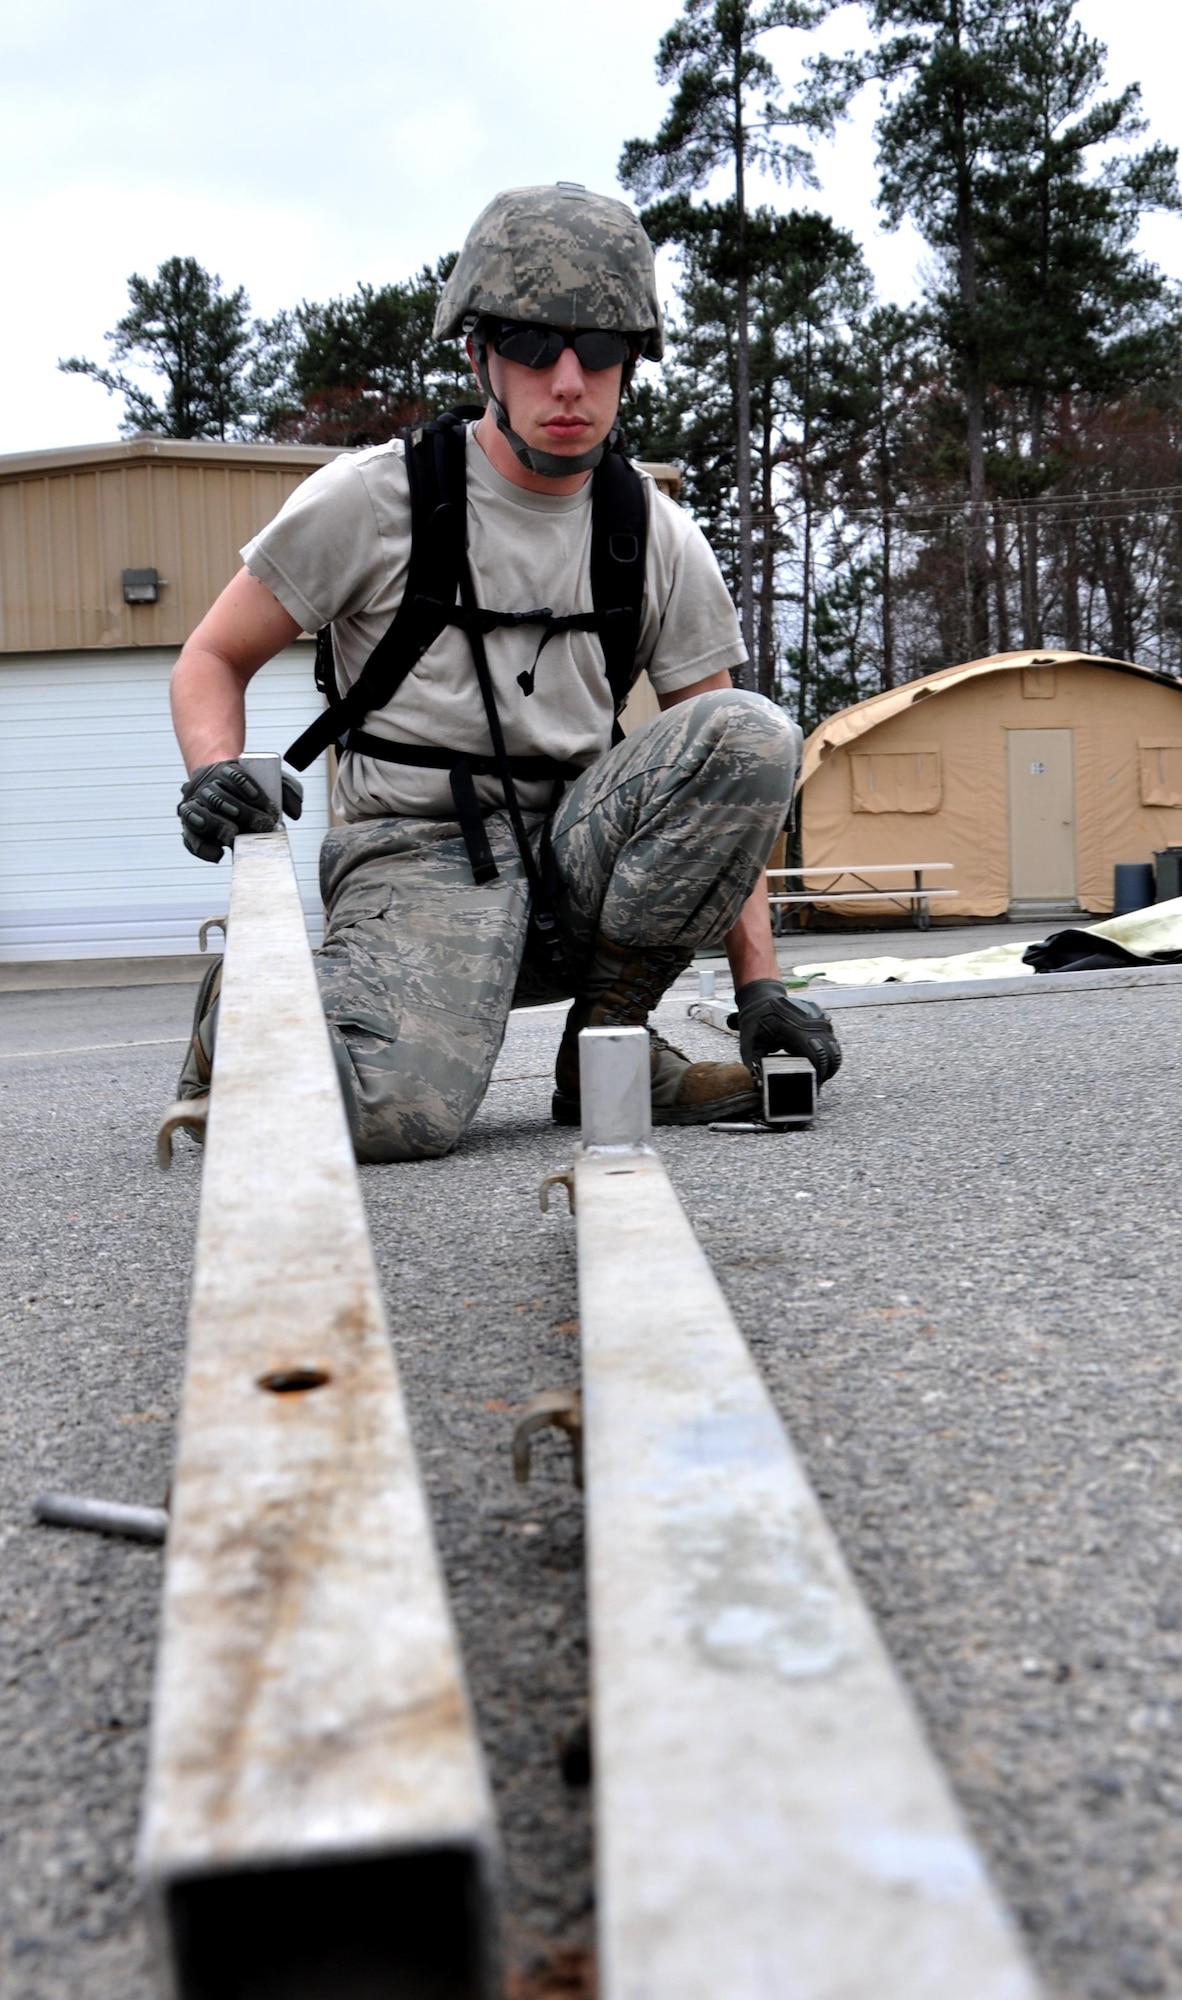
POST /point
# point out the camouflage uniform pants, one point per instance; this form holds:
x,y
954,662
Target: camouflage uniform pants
x,y
659,843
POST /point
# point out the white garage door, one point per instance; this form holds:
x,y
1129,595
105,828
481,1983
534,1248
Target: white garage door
x,y
91,860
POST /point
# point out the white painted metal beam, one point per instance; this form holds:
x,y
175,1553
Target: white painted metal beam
x,y
909,993
317,1820
770,1823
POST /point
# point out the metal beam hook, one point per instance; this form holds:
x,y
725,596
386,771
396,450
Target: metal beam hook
x,y
562,1408
192,1113
561,1177
212,924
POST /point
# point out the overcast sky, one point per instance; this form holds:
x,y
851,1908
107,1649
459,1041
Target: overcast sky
x,y
299,148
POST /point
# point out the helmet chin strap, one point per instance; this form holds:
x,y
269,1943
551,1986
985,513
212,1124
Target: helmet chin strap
x,y
549,464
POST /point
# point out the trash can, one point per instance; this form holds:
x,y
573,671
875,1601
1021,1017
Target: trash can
x,y
1167,867
1132,887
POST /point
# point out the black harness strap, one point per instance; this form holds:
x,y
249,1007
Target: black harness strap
x,y
488,621
462,771
544,933
439,570
619,538
450,524
427,601
475,833
428,757
324,671
436,472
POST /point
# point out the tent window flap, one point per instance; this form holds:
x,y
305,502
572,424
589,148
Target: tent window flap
x,y
895,781
1161,773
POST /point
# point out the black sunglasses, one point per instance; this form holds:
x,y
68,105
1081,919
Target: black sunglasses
x,y
540,346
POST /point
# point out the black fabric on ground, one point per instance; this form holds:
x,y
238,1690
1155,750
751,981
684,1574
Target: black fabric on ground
x,y
1083,951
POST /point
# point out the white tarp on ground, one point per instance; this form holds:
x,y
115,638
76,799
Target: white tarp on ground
x,y
1158,928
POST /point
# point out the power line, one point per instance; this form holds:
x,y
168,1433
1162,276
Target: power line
x,y
1061,505
1052,507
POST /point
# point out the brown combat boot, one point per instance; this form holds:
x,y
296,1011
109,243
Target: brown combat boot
x,y
198,1064
621,984
191,1108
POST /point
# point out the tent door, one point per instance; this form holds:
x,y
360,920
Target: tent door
x,y
1042,815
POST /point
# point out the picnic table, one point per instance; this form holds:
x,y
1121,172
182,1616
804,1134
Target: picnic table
x,y
916,896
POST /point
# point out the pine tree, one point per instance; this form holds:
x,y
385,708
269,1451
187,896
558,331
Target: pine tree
x,y
356,370
197,338
990,123
1077,309
807,283
942,68
875,421
712,57
819,289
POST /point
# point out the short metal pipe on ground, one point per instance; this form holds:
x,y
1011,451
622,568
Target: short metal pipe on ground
x,y
101,1517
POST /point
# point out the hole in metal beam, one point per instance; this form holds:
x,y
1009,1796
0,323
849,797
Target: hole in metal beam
x,y
289,1381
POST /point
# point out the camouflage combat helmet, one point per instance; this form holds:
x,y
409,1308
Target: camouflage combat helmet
x,y
553,256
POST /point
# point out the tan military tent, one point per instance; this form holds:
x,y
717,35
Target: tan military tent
x,y
1033,773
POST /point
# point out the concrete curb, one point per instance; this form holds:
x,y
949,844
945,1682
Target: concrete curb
x,y
62,975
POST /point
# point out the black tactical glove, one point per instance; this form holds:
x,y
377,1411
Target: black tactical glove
x,y
771,1023
222,800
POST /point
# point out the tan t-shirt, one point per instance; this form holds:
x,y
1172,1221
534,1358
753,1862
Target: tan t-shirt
x,y
339,550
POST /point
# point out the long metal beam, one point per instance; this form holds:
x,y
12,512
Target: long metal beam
x,y
317,1820
909,993
770,1823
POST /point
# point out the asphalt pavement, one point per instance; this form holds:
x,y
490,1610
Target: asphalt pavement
x,y
963,1287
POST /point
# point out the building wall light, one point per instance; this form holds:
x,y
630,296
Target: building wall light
x,y
141,586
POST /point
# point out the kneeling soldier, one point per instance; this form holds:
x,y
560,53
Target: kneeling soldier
x,y
494,582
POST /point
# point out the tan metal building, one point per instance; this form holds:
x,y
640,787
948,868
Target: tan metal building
x,y
1033,773
72,523
109,556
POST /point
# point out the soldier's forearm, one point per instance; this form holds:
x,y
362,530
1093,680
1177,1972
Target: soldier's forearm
x,y
749,946
208,707
246,627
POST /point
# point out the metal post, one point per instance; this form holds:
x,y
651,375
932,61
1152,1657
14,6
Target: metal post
x,y
615,1087
769,1819
267,772
317,1820
715,1014
789,1087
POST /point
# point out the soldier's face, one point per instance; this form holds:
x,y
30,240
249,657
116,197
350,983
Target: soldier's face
x,y
566,409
